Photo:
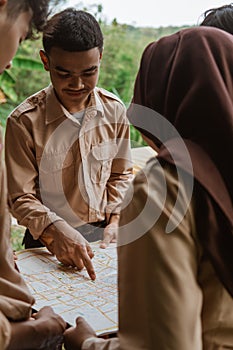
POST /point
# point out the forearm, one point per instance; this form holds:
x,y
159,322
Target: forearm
x,y
23,333
31,213
57,229
114,219
117,187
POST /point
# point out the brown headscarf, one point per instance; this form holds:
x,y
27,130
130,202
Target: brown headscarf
x,y
187,78
15,299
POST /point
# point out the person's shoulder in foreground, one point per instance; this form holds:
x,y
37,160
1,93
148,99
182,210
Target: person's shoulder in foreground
x,y
175,239
19,19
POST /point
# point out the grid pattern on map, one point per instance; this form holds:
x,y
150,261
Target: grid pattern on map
x,y
71,293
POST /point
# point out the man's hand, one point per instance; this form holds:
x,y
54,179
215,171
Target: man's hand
x,y
50,327
43,331
110,234
69,246
75,336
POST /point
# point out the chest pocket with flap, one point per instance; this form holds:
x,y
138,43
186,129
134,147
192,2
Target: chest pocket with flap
x,y
102,156
57,171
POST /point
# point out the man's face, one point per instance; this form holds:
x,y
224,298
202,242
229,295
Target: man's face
x,y
74,75
12,31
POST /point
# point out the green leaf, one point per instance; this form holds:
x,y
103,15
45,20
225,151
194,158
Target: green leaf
x,y
114,90
10,92
27,63
7,77
7,85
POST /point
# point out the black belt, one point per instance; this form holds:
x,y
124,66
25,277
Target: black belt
x,y
91,232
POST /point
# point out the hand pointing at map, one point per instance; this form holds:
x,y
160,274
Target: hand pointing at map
x,y
69,246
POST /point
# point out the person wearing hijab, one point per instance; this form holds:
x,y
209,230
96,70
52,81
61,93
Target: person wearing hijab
x,y
175,240
19,329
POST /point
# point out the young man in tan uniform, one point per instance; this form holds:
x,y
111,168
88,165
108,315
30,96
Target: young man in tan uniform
x,y
72,166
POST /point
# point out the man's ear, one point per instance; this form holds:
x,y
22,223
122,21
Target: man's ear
x,y
44,59
101,53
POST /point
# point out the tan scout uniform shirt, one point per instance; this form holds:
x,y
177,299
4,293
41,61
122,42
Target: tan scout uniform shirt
x,y
15,299
169,295
59,169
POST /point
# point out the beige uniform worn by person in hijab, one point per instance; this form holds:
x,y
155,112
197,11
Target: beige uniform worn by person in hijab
x,y
176,285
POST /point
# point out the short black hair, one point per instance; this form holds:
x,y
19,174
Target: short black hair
x,y
72,30
219,17
39,8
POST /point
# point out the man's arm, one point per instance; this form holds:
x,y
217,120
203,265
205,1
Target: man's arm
x,y
118,183
68,245
23,180
121,171
110,231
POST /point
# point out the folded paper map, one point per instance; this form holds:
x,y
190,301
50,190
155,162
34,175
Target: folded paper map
x,y
71,293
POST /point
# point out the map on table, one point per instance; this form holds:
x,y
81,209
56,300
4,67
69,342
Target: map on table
x,y
71,293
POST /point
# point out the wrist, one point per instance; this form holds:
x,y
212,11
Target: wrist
x,y
114,219
47,237
23,333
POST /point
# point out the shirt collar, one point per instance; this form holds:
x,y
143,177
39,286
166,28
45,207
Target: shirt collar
x,y
55,110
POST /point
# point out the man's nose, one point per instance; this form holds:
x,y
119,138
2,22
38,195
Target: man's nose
x,y
77,82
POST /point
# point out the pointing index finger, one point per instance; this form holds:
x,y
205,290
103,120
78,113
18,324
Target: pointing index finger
x,y
87,260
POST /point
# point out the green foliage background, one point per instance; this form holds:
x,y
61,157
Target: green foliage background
x,y
123,46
